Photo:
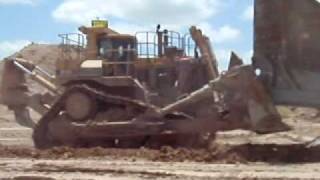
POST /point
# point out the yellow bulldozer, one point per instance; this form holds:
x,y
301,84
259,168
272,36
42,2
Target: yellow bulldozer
x,y
163,88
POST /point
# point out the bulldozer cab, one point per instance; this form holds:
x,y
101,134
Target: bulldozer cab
x,y
99,50
110,45
117,53
102,51
117,48
99,42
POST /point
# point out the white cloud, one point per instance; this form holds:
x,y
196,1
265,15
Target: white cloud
x,y
170,12
136,15
223,34
126,28
28,2
8,48
248,13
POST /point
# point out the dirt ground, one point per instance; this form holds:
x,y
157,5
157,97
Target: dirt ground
x,y
234,155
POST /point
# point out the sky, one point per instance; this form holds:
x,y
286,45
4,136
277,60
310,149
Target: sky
x,y
228,23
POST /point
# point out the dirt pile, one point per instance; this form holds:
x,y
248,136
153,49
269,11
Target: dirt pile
x,y
243,153
44,55
67,153
219,154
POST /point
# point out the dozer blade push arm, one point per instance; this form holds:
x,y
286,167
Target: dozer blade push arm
x,y
30,70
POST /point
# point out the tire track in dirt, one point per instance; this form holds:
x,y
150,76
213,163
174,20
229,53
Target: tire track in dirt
x,y
120,169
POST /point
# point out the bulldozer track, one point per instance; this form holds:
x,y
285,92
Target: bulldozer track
x,y
41,134
43,138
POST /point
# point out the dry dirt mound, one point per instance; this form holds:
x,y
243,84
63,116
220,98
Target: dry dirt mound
x,y
44,55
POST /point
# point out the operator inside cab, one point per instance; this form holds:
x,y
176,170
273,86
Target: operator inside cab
x,y
116,47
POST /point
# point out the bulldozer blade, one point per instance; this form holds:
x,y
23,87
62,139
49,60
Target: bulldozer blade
x,y
14,93
248,105
23,118
248,101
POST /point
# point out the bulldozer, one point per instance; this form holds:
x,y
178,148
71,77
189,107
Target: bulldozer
x,y
107,83
118,90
